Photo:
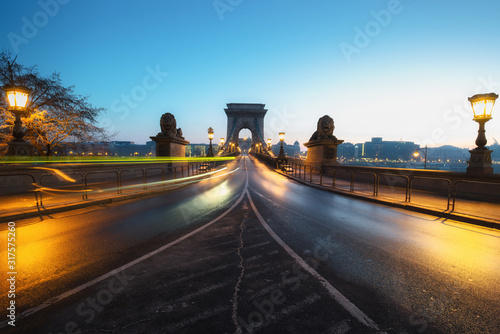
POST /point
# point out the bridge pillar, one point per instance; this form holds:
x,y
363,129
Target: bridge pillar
x,y
245,116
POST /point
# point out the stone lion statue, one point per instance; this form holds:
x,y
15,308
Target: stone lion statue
x,y
168,126
324,130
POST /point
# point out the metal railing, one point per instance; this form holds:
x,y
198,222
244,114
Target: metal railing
x,y
36,187
407,179
40,182
439,183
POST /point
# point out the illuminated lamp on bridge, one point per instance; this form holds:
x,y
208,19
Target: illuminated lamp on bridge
x,y
210,137
18,100
281,156
480,157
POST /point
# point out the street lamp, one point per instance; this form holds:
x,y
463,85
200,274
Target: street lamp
x,y
281,156
210,136
480,157
221,145
416,154
269,143
18,99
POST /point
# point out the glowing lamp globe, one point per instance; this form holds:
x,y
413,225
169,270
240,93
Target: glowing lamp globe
x,y
482,105
17,96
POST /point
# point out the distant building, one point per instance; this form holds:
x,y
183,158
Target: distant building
x,y
290,150
447,153
89,149
495,155
346,151
245,144
200,150
129,148
382,150
404,150
113,148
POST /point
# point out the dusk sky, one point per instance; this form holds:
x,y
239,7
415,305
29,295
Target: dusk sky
x,y
391,69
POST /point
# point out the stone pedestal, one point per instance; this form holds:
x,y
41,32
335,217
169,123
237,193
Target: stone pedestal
x,y
480,162
20,148
322,152
170,146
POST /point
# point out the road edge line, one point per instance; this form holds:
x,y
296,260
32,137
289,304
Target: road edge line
x,y
337,295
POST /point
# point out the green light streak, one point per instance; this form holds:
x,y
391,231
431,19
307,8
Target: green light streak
x,y
106,160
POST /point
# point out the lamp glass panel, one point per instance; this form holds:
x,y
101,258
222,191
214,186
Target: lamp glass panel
x,y
489,107
478,108
483,108
11,96
21,99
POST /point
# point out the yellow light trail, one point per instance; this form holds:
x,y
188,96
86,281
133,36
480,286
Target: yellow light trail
x,y
166,183
107,159
59,173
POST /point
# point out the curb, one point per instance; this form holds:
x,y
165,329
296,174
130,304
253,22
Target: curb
x,y
484,222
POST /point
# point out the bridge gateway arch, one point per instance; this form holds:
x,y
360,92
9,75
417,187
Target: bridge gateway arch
x,y
245,116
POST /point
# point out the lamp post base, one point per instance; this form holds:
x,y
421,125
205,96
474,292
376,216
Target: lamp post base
x,y
19,149
210,151
480,162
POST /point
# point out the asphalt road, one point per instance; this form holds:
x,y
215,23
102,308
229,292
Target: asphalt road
x,y
252,251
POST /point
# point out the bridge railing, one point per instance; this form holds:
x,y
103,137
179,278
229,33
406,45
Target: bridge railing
x,y
450,185
267,159
445,189
34,186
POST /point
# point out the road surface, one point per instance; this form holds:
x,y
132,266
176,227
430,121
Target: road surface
x,y
252,252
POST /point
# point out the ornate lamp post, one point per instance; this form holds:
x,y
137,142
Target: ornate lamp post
x,y
269,143
281,156
480,157
210,137
282,153
416,154
18,99
222,141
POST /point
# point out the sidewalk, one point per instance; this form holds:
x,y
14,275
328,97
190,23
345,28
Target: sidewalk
x,y
475,212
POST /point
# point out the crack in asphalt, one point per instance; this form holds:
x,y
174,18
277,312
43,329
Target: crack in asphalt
x,y
240,278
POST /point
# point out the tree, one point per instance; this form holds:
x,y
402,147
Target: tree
x,y
58,114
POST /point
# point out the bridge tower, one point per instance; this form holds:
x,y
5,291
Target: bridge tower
x,y
245,116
